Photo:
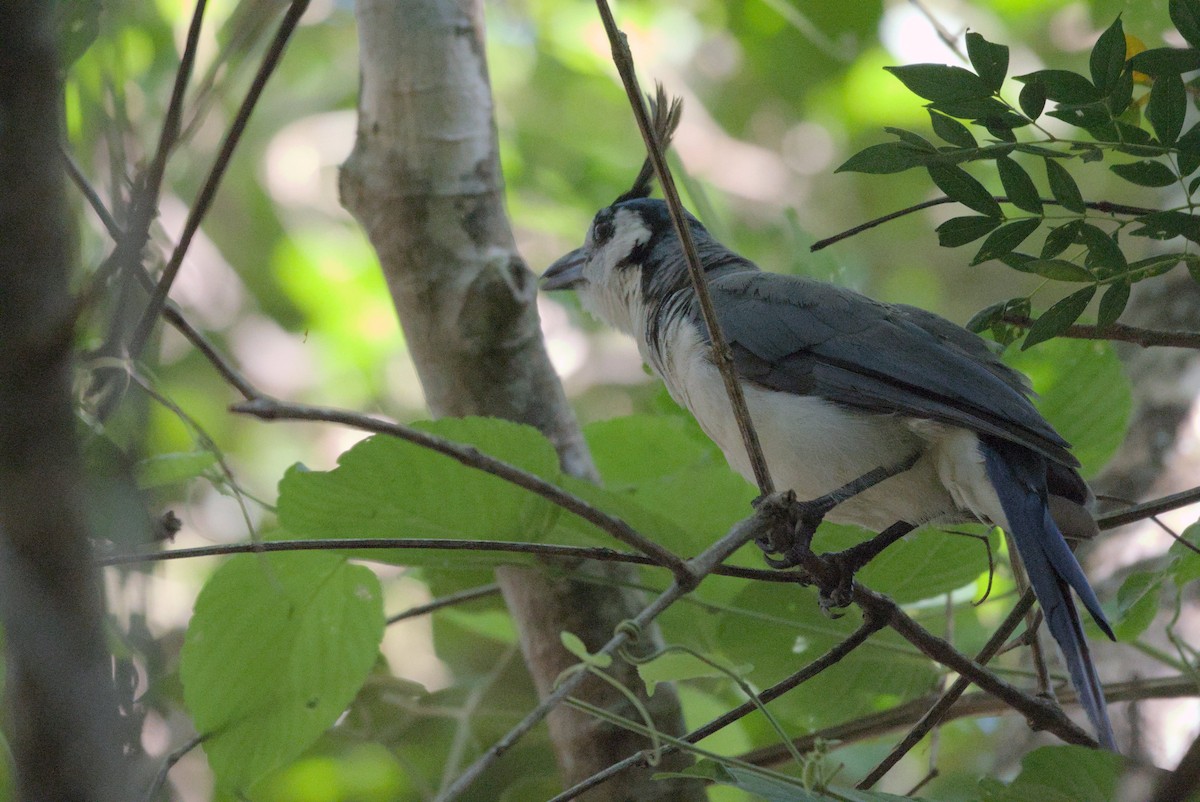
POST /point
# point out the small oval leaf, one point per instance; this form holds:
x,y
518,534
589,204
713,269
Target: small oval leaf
x,y
1018,186
1006,239
1063,187
989,60
959,185
1146,173
1058,318
1112,303
961,230
1167,107
1060,270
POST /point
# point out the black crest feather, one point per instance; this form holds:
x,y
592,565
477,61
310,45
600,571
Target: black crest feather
x,y
664,115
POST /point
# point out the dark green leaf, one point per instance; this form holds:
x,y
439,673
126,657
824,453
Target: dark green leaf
x,y
1005,239
916,140
1001,132
1018,186
1189,151
952,130
985,318
1168,225
1089,155
1063,86
887,157
1193,185
1060,270
78,24
961,230
1121,94
1019,261
1032,99
980,108
1063,187
960,186
1166,61
1104,254
1055,320
1108,57
1157,265
1146,173
1167,107
1112,303
1186,16
1038,150
1061,238
939,82
989,60
1094,118
1193,266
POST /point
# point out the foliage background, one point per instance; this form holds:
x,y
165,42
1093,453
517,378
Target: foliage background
x,y
777,95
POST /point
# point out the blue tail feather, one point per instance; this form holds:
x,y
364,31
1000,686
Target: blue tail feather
x,y
1019,477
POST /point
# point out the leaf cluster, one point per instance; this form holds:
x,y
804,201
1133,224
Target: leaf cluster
x,y
1126,89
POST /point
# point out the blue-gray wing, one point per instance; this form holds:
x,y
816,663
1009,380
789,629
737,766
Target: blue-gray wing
x,y
806,337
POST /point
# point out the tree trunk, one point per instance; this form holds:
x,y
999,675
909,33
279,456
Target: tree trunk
x,y
61,705
424,181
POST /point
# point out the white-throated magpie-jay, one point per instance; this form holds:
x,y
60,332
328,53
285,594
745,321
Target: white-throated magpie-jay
x,y
837,385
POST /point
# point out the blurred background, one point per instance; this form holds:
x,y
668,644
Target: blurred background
x,y
777,94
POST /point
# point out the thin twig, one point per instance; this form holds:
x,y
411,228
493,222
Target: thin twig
x,y
173,315
623,60
90,194
204,200
1148,509
1099,206
699,567
470,594
169,762
1118,332
270,409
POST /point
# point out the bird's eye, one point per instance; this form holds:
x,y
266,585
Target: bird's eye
x,y
602,227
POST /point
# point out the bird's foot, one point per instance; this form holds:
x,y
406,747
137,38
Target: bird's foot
x,y
791,527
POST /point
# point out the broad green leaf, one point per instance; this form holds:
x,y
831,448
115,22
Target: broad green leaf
x,y
1137,604
676,665
1186,16
1105,257
277,648
989,60
1063,187
168,469
965,189
1061,774
1167,107
1063,86
1082,390
886,157
1055,320
1112,303
1168,225
952,130
1018,186
1185,566
961,230
638,448
1121,95
1161,61
1108,57
1146,173
939,82
1060,270
1005,239
1032,99
385,487
1189,151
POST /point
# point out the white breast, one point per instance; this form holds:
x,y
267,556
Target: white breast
x,y
813,446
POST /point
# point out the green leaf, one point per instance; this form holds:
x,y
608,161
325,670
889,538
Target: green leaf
x,y
1167,107
1121,94
1063,187
939,82
952,130
169,469
1168,225
1055,320
1018,186
1060,238
1084,393
960,186
277,648
1186,16
1063,86
961,230
987,109
989,60
1032,99
1137,604
1161,61
887,157
1112,303
385,487
77,24
1104,254
1146,173
1060,270
1005,239
1062,774
1108,57
1189,151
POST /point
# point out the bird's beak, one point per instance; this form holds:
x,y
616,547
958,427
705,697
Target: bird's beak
x,y
566,273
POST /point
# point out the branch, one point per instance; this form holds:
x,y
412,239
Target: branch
x,y
1118,332
1148,509
269,409
204,200
1184,780
1100,206
470,594
720,348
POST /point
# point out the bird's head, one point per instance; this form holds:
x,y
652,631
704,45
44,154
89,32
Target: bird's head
x,y
630,259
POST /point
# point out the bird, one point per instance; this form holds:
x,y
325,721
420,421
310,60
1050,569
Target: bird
x,y
839,387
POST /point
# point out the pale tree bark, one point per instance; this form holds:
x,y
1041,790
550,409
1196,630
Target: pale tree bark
x,y
61,709
424,181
